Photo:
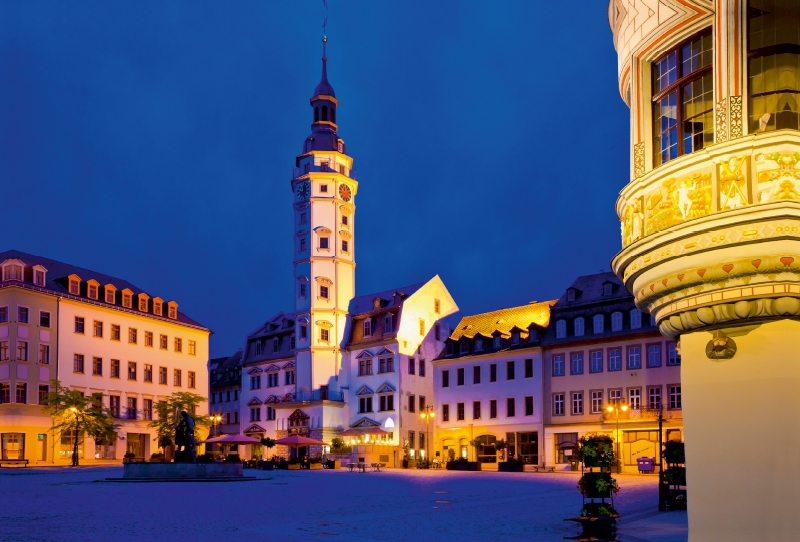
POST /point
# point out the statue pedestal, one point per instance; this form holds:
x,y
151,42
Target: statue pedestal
x,y
742,442
183,471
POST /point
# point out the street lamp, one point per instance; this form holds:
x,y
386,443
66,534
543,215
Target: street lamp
x,y
615,408
427,414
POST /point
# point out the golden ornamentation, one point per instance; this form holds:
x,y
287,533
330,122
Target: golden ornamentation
x,y
732,184
675,202
779,182
720,347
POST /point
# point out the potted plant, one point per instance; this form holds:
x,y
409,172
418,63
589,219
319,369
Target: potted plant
x,y
674,452
462,464
129,457
597,485
512,465
296,463
408,461
315,463
233,458
596,450
158,458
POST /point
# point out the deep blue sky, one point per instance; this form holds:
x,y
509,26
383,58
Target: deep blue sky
x,y
155,141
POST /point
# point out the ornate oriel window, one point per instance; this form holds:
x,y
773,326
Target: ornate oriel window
x,y
683,101
773,55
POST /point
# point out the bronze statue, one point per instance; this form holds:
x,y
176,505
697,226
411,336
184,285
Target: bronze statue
x,y
186,451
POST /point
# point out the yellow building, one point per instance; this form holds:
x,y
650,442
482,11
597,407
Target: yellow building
x,y
710,224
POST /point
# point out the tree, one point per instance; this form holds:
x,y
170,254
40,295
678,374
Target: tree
x,y
268,443
169,411
73,412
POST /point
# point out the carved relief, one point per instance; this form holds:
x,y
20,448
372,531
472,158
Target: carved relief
x,y
732,184
721,121
678,201
778,177
638,160
736,117
632,222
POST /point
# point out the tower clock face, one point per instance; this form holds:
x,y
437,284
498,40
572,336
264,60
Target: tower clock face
x,y
302,190
344,192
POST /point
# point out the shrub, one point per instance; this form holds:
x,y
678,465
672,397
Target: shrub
x,y
233,458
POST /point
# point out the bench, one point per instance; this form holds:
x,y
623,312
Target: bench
x,y
543,468
23,462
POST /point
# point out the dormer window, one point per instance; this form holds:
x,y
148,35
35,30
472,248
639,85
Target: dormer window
x,y
478,344
127,298
92,289
449,349
274,345
143,301
158,306
172,310
463,346
608,288
496,341
258,349
12,272
388,326
571,294
515,337
111,294
579,326
39,276
367,328
561,329
74,284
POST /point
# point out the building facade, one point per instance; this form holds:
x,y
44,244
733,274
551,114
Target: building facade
x,y
601,351
489,386
709,217
95,333
340,365
225,385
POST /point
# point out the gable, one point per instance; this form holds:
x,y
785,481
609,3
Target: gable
x,y
364,354
254,402
298,414
288,366
255,428
364,391
254,371
386,388
366,422
272,399
385,352
272,369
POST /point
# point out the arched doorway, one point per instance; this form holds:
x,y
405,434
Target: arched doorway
x,y
485,449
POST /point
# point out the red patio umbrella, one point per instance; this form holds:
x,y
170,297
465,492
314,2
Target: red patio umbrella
x,y
296,440
231,439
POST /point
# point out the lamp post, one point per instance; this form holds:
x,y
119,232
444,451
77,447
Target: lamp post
x,y
427,414
615,408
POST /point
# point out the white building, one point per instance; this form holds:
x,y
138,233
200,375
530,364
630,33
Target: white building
x,y
322,369
100,334
489,385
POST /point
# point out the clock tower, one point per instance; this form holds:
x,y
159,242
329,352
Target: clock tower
x,y
324,189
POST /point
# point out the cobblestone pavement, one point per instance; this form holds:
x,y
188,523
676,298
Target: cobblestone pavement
x,y
67,505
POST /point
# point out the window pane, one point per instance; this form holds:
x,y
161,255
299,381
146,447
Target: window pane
x,y
696,55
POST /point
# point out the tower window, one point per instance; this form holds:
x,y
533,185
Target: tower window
x,y
333,115
323,292
303,218
323,187
774,65
344,220
323,242
344,246
316,114
683,102
302,290
324,112
324,335
302,245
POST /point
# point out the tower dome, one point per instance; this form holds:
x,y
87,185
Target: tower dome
x,y
324,103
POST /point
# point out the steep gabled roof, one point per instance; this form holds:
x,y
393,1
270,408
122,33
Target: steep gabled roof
x,y
364,304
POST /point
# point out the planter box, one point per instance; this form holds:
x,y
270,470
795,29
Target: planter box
x,y
591,479
409,464
334,464
293,466
315,466
463,465
510,466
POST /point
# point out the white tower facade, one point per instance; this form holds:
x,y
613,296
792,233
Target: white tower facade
x,y
324,188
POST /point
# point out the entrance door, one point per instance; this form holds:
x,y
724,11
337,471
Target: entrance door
x,y
13,445
529,447
42,447
136,442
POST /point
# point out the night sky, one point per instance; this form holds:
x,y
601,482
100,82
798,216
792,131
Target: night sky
x,y
155,141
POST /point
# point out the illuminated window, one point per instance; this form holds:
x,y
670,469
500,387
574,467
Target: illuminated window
x,y
683,102
178,346
110,294
74,287
133,335
115,332
193,348
148,338
143,304
422,327
577,402
437,306
162,342
127,300
324,335
597,402
774,65
92,291
38,278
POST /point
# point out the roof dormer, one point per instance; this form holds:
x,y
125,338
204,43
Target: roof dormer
x,y
172,310
13,269
92,289
127,298
572,294
39,275
74,284
608,287
143,299
158,306
110,291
